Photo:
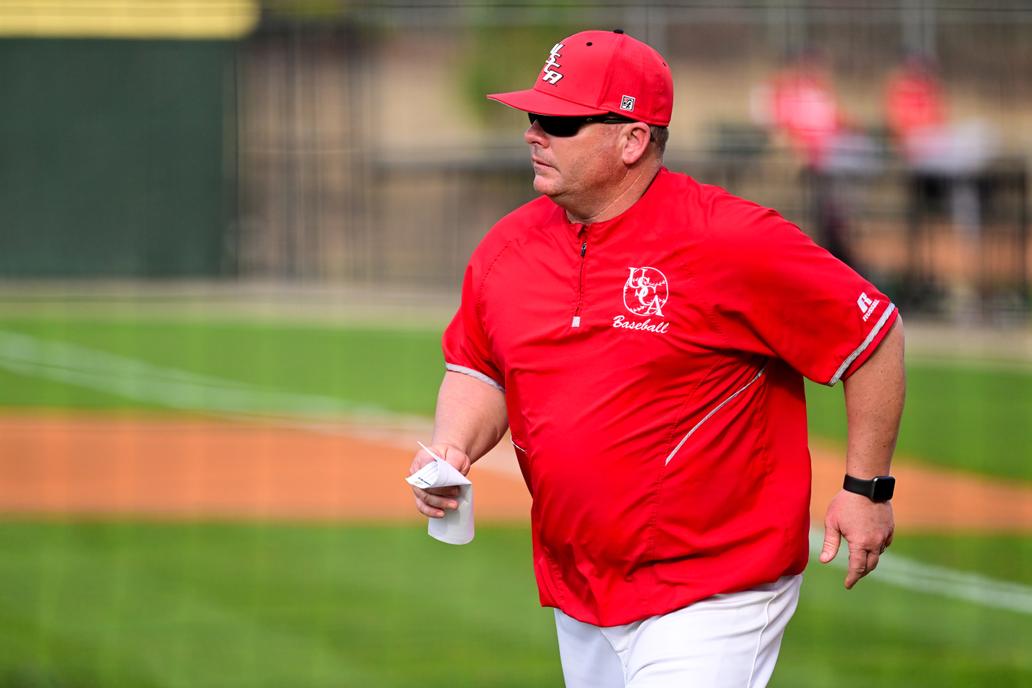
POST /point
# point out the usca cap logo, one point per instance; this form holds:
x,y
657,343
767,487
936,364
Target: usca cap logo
x,y
549,73
646,291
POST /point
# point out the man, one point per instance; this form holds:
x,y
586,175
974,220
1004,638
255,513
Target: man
x,y
644,338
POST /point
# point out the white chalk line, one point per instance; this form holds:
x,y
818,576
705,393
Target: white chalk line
x,y
911,574
142,381
175,388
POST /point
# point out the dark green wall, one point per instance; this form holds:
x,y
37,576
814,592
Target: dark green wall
x,y
112,157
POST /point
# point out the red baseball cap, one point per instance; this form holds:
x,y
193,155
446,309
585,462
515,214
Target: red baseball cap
x,y
595,72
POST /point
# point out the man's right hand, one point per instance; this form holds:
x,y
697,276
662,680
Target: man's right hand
x,y
433,503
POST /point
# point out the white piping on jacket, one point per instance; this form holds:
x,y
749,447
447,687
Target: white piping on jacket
x,y
709,415
866,343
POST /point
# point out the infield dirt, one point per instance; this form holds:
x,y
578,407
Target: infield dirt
x,y
102,466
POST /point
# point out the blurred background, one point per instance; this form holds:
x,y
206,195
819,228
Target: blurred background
x,y
232,231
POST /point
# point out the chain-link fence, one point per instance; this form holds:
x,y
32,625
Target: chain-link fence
x,y
366,153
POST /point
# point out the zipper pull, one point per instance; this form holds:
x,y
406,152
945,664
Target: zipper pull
x,y
583,250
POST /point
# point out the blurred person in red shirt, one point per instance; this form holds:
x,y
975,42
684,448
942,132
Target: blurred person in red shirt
x,y
935,149
800,103
914,102
803,105
945,160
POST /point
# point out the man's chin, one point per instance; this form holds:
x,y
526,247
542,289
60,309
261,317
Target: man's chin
x,y
545,187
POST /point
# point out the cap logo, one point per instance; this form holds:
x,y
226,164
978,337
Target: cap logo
x,y
627,103
549,73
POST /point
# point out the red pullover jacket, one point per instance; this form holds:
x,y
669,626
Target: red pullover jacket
x,y
652,368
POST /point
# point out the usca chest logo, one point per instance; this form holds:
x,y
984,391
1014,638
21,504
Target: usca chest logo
x,y
646,291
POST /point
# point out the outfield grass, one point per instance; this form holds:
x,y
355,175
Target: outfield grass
x,y
957,415
269,605
391,370
122,604
878,635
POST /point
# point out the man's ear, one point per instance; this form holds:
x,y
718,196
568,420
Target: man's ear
x,y
635,140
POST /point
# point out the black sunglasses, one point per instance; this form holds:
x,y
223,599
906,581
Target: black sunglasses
x,y
569,126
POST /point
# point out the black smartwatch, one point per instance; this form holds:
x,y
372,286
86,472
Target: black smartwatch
x,y
878,489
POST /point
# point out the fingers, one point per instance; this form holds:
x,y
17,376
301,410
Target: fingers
x,y
857,567
433,504
872,561
865,558
832,538
421,459
861,563
452,455
864,561
456,458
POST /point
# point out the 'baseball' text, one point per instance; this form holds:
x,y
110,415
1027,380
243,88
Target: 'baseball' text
x,y
647,325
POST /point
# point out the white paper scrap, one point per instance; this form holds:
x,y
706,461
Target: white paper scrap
x,y
456,528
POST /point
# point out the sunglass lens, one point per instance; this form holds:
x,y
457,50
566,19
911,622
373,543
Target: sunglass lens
x,y
557,126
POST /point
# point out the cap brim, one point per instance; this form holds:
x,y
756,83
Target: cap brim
x,y
540,103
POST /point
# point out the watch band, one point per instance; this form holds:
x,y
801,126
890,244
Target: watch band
x,y
878,489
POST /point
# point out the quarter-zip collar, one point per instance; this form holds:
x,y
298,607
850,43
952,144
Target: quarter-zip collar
x,y
653,195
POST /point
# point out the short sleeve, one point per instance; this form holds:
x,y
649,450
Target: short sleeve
x,y
778,293
465,345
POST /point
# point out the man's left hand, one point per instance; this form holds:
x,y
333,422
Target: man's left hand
x,y
867,527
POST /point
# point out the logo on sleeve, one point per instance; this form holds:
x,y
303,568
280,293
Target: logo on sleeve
x,y
645,293
867,305
549,73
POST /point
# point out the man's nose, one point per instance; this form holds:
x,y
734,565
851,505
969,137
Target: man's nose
x,y
535,134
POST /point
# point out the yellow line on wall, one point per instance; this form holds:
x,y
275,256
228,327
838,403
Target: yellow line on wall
x,y
204,19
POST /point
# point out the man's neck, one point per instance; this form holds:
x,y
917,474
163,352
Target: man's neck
x,y
623,197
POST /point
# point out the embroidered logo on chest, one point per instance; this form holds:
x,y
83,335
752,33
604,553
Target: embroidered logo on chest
x,y
645,293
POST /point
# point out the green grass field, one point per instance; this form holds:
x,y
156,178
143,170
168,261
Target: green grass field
x,y
272,605
264,604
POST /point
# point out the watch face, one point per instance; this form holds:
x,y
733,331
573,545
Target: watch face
x,y
882,488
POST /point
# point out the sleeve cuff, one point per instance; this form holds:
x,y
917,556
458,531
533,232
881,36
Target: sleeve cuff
x,y
871,338
476,374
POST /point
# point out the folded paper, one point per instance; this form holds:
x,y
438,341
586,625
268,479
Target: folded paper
x,y
456,528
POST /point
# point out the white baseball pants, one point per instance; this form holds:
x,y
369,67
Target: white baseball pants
x,y
725,641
